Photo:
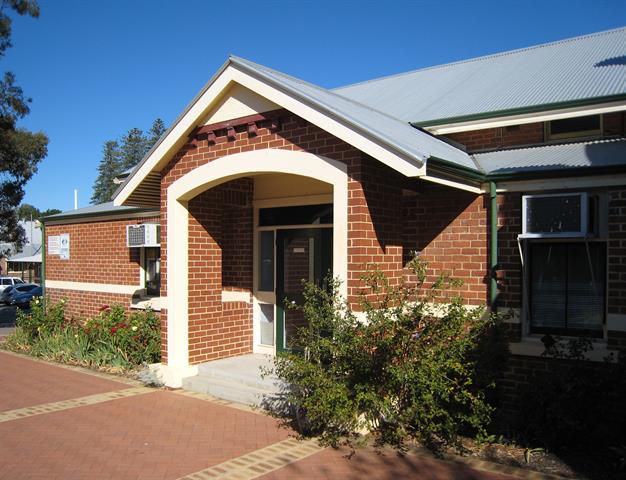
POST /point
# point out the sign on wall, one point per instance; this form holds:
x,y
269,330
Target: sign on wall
x,y
54,245
64,246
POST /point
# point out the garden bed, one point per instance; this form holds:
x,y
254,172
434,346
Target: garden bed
x,y
114,341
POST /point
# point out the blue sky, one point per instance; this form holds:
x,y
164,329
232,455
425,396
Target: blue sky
x,y
97,68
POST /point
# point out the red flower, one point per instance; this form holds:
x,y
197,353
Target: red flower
x,y
113,330
103,308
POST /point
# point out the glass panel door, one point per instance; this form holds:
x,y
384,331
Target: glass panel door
x,y
303,255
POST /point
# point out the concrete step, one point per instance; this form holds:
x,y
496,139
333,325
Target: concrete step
x,y
230,390
242,370
238,379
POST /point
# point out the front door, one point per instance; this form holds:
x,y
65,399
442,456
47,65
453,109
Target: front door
x,y
303,255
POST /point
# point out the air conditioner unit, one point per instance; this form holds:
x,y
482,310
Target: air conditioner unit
x,y
559,215
143,235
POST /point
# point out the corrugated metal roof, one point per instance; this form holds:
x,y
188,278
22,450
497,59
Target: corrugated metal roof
x,y
27,259
570,70
599,153
100,209
393,132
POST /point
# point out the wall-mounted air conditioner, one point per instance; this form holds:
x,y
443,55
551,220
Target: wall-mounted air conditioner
x,y
143,235
559,215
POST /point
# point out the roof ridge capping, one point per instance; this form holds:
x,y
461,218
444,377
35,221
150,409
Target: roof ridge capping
x,y
483,57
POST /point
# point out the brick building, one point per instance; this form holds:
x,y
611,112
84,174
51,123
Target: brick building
x,y
508,171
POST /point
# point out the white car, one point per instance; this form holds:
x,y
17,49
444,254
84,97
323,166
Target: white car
x,y
8,281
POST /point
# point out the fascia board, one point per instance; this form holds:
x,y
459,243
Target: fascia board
x,y
178,134
376,149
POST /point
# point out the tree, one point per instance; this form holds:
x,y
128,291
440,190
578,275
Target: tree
x,y
119,157
156,131
109,168
48,212
134,147
20,150
26,211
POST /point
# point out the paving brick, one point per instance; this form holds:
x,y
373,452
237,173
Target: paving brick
x,y
26,383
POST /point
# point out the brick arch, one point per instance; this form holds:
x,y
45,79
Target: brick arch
x,y
215,173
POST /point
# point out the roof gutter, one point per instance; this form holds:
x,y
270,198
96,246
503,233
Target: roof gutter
x,y
65,218
446,167
543,108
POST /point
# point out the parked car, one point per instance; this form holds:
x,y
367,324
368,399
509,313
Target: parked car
x,y
22,300
10,281
9,292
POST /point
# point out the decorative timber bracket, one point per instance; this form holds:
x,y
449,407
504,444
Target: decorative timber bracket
x,y
229,129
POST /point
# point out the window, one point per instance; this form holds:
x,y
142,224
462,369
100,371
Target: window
x,y
300,215
574,127
266,261
567,288
152,267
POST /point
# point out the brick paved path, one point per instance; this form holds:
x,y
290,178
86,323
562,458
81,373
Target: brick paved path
x,y
60,423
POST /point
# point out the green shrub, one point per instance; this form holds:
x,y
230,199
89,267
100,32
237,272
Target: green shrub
x,y
403,373
114,338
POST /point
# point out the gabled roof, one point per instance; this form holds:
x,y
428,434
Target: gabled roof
x,y
407,148
590,68
593,154
396,133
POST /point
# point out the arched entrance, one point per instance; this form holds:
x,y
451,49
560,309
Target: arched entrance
x,y
299,238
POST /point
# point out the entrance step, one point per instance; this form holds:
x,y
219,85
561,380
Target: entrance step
x,y
237,379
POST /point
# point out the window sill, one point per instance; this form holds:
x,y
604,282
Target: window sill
x,y
532,346
144,303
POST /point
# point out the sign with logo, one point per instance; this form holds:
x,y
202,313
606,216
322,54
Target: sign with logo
x,y
64,246
54,245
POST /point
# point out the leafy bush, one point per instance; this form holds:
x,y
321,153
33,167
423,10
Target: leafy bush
x,y
575,402
114,338
402,373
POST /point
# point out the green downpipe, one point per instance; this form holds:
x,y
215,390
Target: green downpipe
x,y
493,250
43,259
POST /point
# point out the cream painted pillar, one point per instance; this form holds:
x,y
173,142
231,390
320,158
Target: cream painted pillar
x,y
177,366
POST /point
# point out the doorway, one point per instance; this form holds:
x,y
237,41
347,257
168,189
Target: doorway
x,y
303,255
293,245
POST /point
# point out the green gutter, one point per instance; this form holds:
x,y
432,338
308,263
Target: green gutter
x,y
493,248
546,107
444,166
109,213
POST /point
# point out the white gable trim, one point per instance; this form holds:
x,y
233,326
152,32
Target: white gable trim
x,y
207,100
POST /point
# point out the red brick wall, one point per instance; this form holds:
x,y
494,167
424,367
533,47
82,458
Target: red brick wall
x,y
98,254
218,329
528,134
449,228
617,252
374,224
495,138
509,261
381,243
83,305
